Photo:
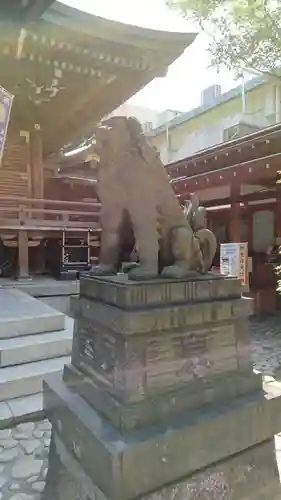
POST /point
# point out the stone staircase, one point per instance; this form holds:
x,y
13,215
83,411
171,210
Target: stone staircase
x,y
35,340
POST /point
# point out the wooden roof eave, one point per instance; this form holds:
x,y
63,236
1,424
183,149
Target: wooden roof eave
x,y
76,179
99,105
167,43
74,68
17,10
86,158
264,196
218,153
250,172
154,51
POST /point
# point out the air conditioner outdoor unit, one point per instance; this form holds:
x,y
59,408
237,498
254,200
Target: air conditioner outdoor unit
x,y
239,130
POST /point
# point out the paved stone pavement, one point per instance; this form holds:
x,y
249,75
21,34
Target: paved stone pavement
x,y
24,449
23,460
266,344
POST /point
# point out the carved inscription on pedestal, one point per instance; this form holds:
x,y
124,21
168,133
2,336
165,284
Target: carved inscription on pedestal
x,y
143,365
96,353
182,357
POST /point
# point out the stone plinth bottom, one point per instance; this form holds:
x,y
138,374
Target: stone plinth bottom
x,y
250,475
90,460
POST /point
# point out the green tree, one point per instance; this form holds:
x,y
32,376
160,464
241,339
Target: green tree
x,y
245,34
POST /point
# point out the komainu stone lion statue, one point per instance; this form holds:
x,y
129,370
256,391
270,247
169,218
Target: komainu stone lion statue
x,y
138,202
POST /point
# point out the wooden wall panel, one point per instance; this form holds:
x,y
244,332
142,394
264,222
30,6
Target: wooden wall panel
x,y
36,163
14,170
16,153
57,189
13,183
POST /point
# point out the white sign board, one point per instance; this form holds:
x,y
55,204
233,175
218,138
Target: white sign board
x,y
6,101
234,261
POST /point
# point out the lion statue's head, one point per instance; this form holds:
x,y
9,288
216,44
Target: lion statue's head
x,y
120,135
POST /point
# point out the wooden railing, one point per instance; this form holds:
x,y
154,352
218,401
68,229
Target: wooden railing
x,y
32,214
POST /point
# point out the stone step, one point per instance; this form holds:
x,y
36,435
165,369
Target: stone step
x,y
24,409
16,351
31,325
24,315
27,379
74,306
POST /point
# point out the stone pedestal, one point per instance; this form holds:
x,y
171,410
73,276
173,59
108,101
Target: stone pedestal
x,y
160,400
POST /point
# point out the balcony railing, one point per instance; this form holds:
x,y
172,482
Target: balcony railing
x,y
37,214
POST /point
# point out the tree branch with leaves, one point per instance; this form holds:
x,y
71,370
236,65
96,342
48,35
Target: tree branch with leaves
x,y
245,34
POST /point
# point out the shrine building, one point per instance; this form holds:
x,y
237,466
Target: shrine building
x,y
66,70
238,183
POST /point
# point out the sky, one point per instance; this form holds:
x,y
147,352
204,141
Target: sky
x,y
188,76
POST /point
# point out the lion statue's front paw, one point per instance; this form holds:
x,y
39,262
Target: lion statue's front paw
x,y
141,273
102,270
177,271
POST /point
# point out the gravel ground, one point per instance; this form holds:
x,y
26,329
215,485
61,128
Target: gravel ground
x,y
24,449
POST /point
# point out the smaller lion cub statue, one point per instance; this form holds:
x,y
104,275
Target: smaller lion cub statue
x,y
137,198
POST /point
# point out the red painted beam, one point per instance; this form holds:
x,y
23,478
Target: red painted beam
x,y
247,172
222,154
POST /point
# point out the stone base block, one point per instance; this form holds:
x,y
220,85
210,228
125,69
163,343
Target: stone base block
x,y
126,416
160,401
122,292
161,347
250,475
127,466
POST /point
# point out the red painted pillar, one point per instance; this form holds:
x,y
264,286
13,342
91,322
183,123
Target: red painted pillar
x,y
37,165
234,223
278,214
234,226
